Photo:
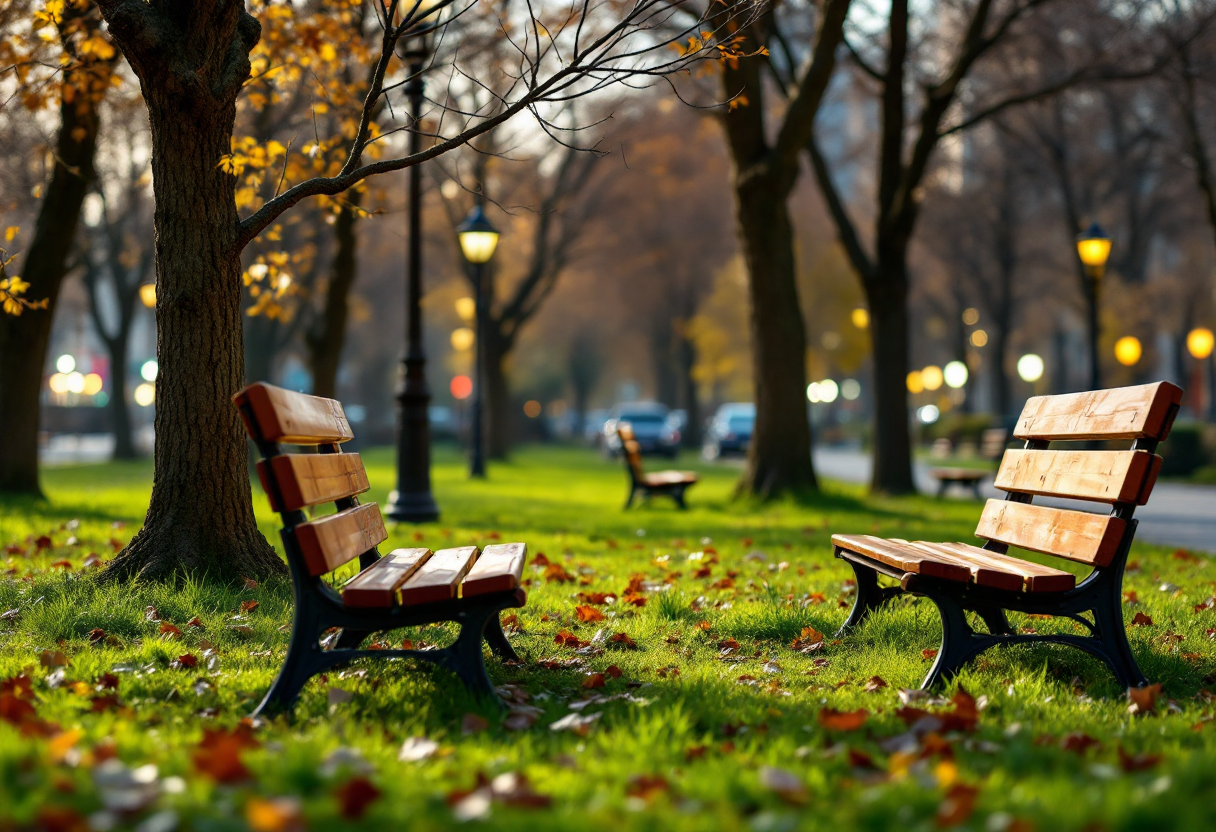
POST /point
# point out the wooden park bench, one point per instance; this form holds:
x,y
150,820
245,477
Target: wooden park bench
x,y
672,484
961,578
992,447
406,588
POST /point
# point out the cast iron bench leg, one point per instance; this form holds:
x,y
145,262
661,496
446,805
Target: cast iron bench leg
x,y
497,640
1108,616
678,496
960,644
870,596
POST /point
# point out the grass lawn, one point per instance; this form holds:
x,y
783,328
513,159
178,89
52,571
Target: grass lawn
x,y
713,721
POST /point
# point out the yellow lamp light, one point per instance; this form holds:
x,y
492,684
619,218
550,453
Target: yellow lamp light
x,y
1128,350
466,308
147,295
92,384
1093,247
462,339
931,377
1199,342
916,383
861,317
478,238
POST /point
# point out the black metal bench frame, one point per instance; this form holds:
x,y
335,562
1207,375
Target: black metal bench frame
x,y
1099,594
318,608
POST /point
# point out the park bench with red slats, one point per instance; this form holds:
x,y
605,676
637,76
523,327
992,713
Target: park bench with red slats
x,y
406,588
671,484
986,580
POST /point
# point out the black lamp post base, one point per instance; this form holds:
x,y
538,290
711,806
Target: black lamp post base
x,y
418,507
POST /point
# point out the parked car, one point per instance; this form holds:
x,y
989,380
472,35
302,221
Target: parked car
x,y
730,430
652,428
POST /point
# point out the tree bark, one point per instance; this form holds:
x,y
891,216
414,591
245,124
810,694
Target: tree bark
x,y
24,339
325,341
888,300
200,520
498,395
779,457
690,399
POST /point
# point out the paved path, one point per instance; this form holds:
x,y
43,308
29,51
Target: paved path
x,y
1177,515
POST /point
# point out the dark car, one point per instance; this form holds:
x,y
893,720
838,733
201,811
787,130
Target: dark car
x,y
730,431
653,429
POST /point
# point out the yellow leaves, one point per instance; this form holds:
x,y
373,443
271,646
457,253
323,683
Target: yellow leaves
x,y
98,47
51,15
11,232
739,100
269,282
11,289
328,53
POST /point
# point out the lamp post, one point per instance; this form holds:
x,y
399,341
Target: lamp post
x,y
1093,247
411,501
478,239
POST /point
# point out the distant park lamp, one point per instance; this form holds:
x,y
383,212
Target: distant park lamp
x,y
478,238
462,339
1128,350
1093,247
466,308
1030,367
147,295
955,374
1199,342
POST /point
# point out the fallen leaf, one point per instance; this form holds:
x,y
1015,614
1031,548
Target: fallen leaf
x,y
808,641
53,658
613,671
588,613
624,640
556,573
218,754
787,785
355,796
876,683
593,681
957,807
835,720
248,606
1079,742
276,814
417,749
1137,762
647,787
169,631
576,723
96,634
1143,700
473,724
1142,620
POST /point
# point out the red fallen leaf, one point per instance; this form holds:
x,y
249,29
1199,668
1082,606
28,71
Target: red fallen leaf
x,y
218,754
835,720
725,583
1131,598
611,544
407,644
43,542
647,787
593,681
809,640
1183,554
185,660
746,678
1137,762
107,681
746,541
613,671
586,614
167,629
14,710
196,623
21,686
540,559
53,658
1142,620
957,807
101,704
597,598
276,814
555,572
817,598
876,683
1078,742
1206,605
860,759
96,635
637,584
728,644
249,606
1143,700
928,653
116,544
61,564
355,796
624,640
150,614
703,572
250,583
91,561
14,549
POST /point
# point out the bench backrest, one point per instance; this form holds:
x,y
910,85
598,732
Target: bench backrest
x,y
630,449
294,481
1121,479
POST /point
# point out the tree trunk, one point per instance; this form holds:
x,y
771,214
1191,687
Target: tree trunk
x,y
779,458
690,399
665,382
325,341
120,407
24,339
498,395
888,300
200,520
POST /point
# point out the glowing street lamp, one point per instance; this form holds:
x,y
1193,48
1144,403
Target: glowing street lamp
x,y
147,295
1030,367
956,374
931,377
1093,248
1128,350
861,317
478,240
1199,342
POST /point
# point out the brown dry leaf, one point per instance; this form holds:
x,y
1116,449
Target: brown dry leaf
x,y
957,807
53,658
196,624
624,640
185,660
594,680
835,720
1142,620
876,683
1079,742
355,796
248,606
928,653
1143,700
169,631
42,542
540,559
613,671
61,819
787,785
519,720
473,724
588,614
728,644
555,572
276,814
597,598
218,754
809,640
96,634
647,787
61,564
1137,762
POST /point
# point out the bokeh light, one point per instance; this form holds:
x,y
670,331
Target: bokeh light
x,y
461,387
861,317
1030,367
145,394
532,408
65,364
850,388
149,370
956,374
1199,342
462,339
1128,350
915,383
931,377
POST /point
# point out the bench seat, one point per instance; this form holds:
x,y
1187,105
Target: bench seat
x,y
669,478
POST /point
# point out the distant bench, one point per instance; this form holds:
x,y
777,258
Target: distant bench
x,y
406,588
671,484
992,446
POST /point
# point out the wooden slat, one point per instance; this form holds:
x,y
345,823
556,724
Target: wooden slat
x,y
905,558
984,574
1035,577
292,418
310,479
1073,535
1102,476
958,474
498,569
331,541
439,577
1121,413
377,585
670,477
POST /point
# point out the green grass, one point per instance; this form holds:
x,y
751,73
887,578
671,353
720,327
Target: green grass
x,y
691,725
